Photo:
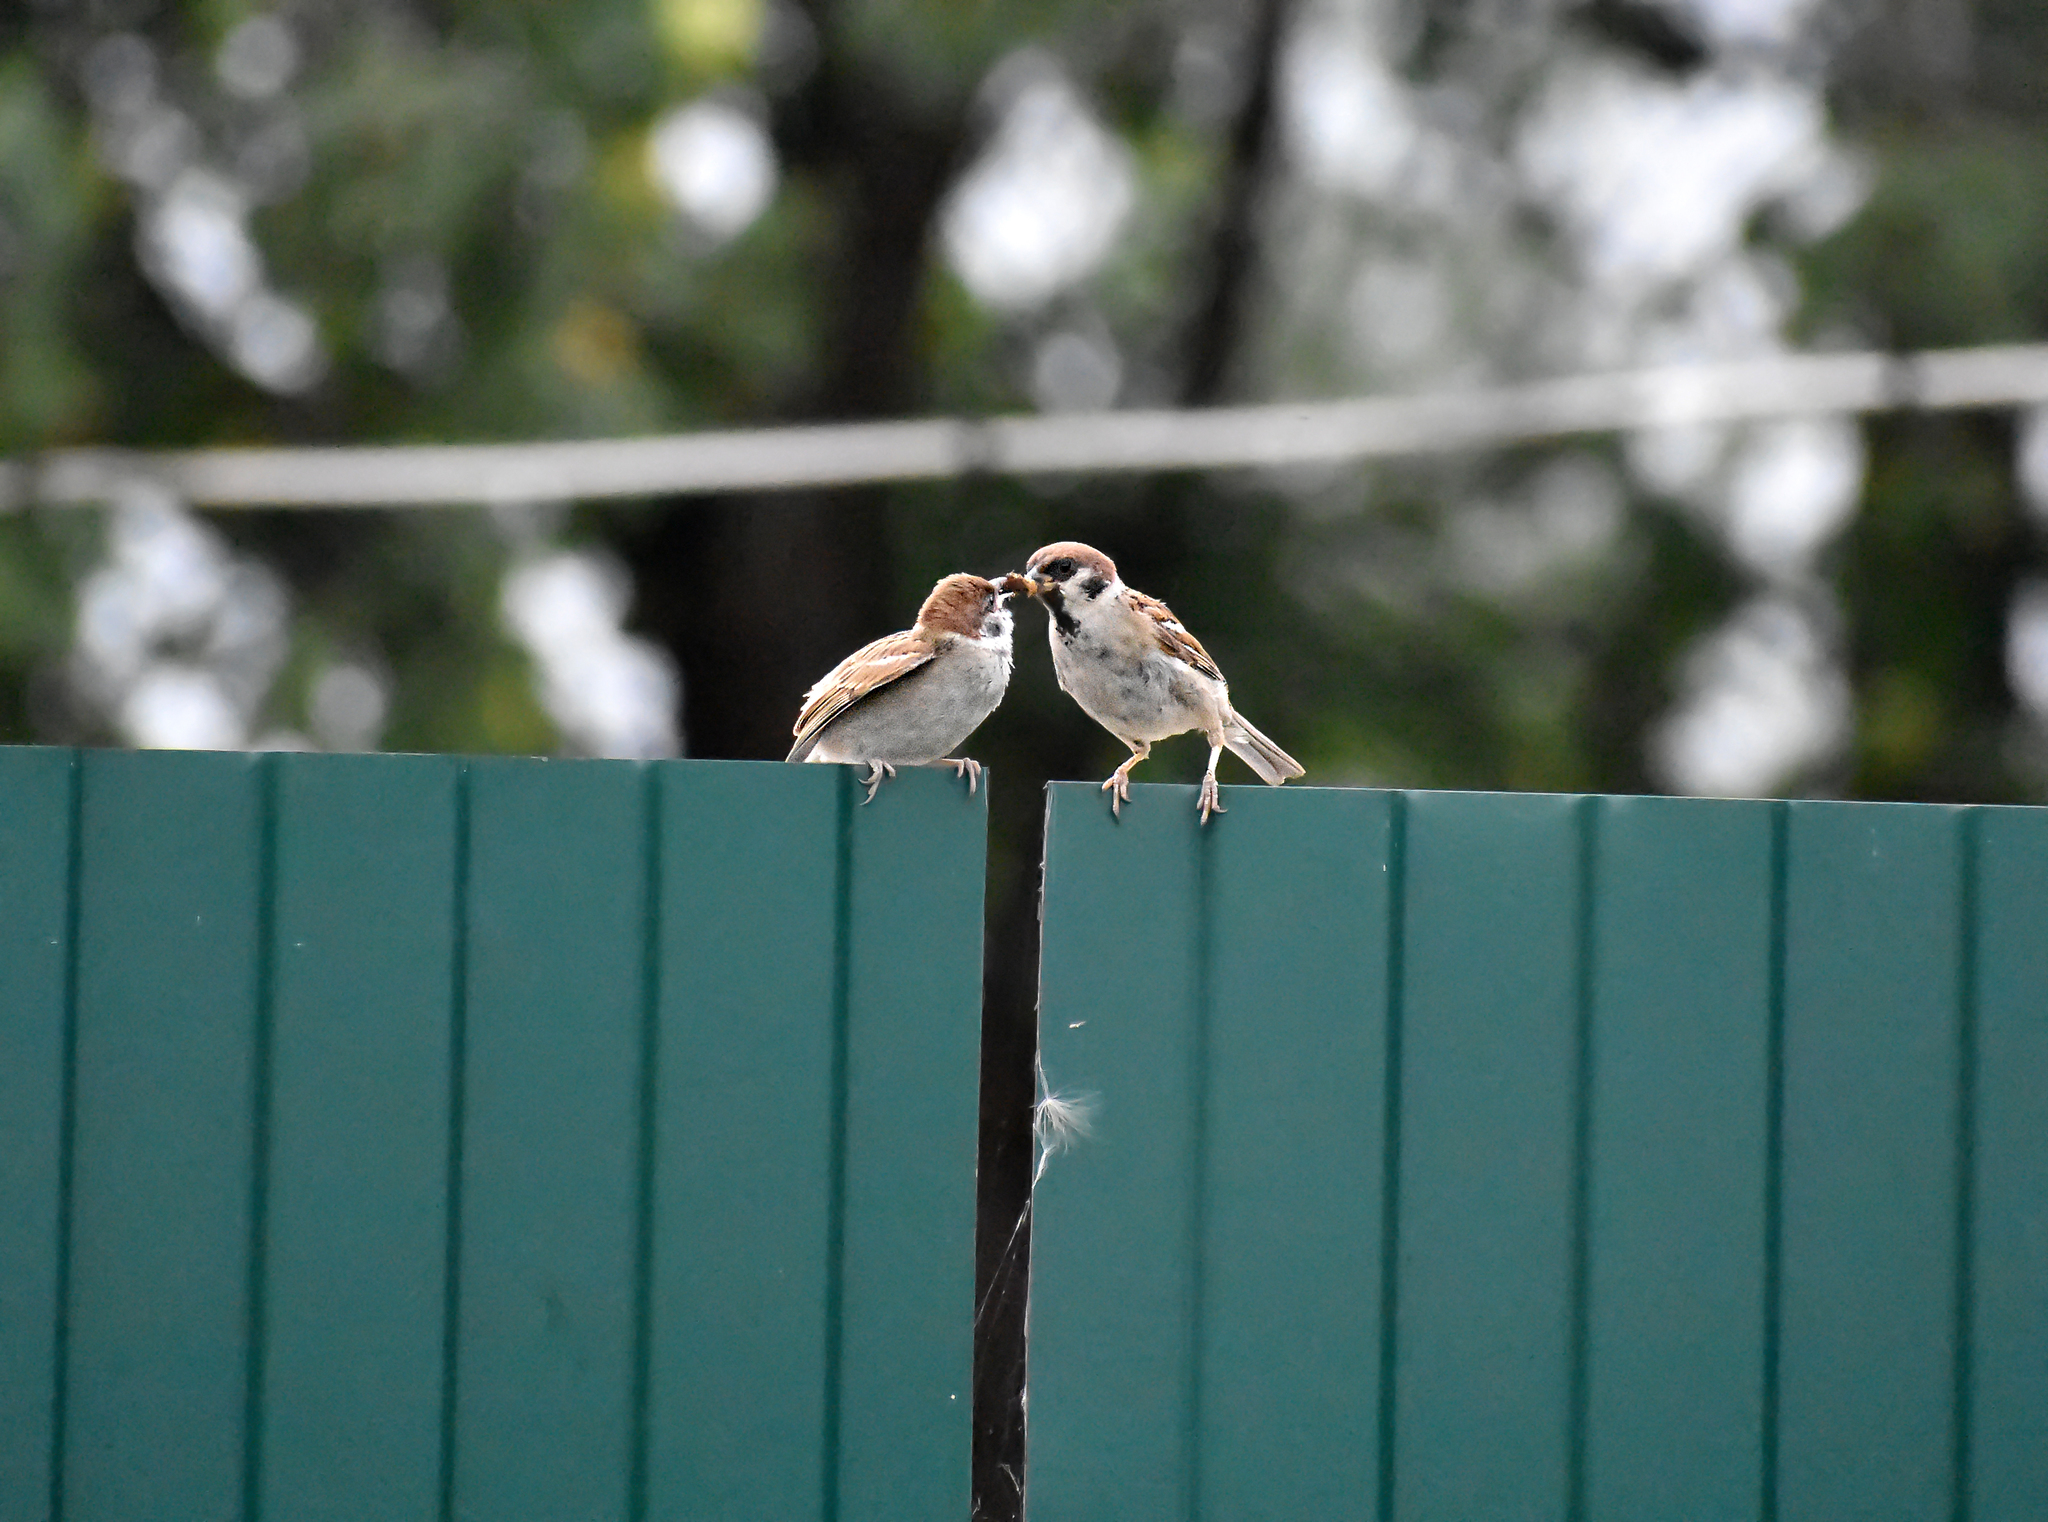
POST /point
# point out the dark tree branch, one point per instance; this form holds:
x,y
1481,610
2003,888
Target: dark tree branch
x,y
1229,281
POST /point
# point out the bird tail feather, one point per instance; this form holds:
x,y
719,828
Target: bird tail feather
x,y
1272,763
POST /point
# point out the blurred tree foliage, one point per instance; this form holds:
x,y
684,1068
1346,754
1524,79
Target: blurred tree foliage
x,y
456,194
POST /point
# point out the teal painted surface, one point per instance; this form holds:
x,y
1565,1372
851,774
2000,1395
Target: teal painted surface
x,y
739,1328
35,877
549,1139
355,1239
1678,1157
2007,1385
912,1050
1223,1010
170,892
1112,1358
1489,1053
1296,1041
1872,976
489,1139
1719,1183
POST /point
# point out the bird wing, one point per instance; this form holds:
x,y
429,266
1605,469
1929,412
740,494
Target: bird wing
x,y
1172,635
868,669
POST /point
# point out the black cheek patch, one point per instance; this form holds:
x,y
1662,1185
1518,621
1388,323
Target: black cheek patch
x,y
1094,586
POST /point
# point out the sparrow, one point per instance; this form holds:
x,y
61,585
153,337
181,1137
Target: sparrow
x,y
908,698
1137,672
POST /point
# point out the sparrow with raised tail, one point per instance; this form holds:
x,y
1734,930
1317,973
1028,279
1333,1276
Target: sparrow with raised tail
x,y
908,698
1137,672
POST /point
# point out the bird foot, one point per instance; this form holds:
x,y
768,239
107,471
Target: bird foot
x,y
962,767
1118,786
877,770
1210,799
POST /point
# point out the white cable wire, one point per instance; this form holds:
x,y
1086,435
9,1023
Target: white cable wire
x,y
847,454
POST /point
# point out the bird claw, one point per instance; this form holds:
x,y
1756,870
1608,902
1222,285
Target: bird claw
x,y
1118,786
1210,799
965,767
877,770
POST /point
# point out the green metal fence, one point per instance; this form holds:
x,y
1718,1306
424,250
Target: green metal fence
x,y
413,1137
1475,1157
391,1137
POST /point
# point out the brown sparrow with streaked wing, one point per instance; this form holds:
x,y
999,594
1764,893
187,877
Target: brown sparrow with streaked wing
x,y
908,698
1134,670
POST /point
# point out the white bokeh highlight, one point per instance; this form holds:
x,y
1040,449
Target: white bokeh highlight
x,y
1767,701
715,165
1793,486
1347,120
1656,179
608,692
2026,648
258,58
177,639
1042,206
347,707
192,231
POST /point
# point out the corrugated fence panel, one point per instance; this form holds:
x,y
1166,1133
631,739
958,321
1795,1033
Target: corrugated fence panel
x,y
356,1186
912,1072
2008,1388
485,1139
1679,1153
1713,1131
1297,914
169,978
1872,977
536,1139
550,1143
1489,1044
1221,1012
740,1325
1113,1224
35,883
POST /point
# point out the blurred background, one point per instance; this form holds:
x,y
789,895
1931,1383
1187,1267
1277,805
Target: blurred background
x,y
413,221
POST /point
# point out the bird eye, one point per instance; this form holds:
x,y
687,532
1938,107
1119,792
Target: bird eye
x,y
1061,569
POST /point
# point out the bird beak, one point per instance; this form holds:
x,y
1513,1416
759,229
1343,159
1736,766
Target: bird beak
x,y
1012,582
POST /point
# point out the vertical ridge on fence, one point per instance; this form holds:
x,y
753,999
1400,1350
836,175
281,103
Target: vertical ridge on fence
x,y
1962,1243
645,1155
739,1325
1679,985
451,1152
2006,1479
1585,952
161,1193
1772,1331
363,935
260,1140
1109,1384
832,1430
552,1054
1200,1182
37,891
1482,1384
1866,1365
1387,1432
912,1041
1294,907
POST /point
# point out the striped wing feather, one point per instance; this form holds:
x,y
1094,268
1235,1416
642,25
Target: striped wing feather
x,y
872,666
1173,637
